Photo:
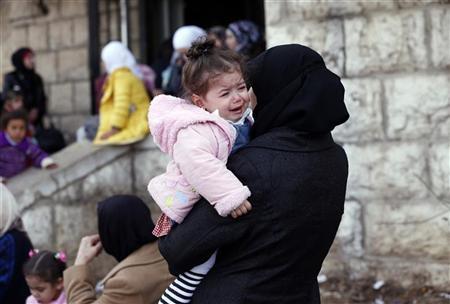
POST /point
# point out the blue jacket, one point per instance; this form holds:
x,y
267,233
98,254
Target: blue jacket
x,y
14,248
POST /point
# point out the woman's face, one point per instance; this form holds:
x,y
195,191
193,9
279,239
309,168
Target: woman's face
x,y
231,40
28,61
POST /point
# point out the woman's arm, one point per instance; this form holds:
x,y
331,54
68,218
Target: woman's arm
x,y
8,83
203,231
78,285
41,98
122,100
79,288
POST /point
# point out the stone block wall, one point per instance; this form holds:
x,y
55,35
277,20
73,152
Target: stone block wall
x,y
110,24
60,40
393,58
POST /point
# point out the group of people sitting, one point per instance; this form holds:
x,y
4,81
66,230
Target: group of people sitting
x,y
25,139
251,199
125,90
35,276
124,96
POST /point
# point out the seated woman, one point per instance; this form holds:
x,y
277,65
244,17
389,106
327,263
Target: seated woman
x,y
125,102
14,248
125,232
297,176
29,82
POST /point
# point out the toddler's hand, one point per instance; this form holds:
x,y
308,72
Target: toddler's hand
x,y
244,208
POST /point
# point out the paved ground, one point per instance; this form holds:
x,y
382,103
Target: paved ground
x,y
341,291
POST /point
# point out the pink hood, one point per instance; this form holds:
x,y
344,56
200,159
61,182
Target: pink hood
x,y
167,115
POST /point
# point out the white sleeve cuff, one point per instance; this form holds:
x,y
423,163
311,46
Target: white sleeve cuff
x,y
47,162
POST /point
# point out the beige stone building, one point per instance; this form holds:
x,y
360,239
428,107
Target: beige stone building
x,y
67,36
394,60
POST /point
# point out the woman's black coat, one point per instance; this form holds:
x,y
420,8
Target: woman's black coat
x,y
298,181
29,83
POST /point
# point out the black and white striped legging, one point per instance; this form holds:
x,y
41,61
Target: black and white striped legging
x,y
182,289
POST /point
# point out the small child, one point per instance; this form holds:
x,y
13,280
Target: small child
x,y
17,151
44,275
14,102
199,135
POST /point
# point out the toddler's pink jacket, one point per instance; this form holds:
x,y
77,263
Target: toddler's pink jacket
x,y
60,300
199,144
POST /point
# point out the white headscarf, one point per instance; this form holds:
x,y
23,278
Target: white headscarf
x,y
9,211
116,55
185,35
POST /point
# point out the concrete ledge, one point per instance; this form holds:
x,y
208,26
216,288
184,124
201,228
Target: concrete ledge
x,y
74,162
59,206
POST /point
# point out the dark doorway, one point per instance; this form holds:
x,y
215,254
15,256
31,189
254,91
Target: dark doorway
x,y
206,13
160,18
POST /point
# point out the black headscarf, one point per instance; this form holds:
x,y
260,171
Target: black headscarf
x,y
17,59
295,89
124,225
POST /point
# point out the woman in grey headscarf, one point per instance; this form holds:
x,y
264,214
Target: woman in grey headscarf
x,y
246,38
14,248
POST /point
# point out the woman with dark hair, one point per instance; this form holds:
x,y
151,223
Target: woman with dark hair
x,y
218,35
125,232
25,79
297,176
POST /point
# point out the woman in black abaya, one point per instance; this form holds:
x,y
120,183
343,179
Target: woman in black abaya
x,y
25,79
297,175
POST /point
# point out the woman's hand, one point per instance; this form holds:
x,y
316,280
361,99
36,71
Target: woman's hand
x,y
90,247
244,208
110,133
